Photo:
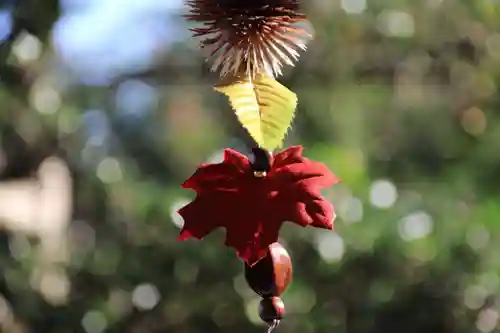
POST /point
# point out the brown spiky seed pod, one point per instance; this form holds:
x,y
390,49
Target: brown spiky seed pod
x,y
246,37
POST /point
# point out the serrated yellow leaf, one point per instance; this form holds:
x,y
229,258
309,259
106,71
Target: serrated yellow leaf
x,y
264,107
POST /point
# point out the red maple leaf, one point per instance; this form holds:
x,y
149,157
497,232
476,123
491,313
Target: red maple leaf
x,y
252,209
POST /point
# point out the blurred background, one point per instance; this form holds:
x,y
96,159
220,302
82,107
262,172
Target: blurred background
x,y
107,106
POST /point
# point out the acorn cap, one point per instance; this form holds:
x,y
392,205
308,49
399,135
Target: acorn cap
x,y
248,37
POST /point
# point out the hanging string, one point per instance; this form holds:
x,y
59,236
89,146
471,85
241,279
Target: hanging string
x,y
273,326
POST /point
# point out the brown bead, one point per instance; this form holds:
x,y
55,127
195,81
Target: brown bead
x,y
283,270
271,275
271,309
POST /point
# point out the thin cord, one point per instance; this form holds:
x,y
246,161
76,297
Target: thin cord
x,y
273,326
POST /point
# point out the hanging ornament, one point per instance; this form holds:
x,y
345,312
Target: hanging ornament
x,y
251,200
248,42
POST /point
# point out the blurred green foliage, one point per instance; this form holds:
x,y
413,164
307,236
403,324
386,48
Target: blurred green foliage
x,y
399,98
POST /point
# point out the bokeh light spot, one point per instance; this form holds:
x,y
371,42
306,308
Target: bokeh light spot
x,y
27,48
134,98
487,320
474,297
330,246
145,296
109,171
44,98
20,247
94,322
383,194
478,237
350,209
415,226
5,24
474,121
353,6
54,286
395,23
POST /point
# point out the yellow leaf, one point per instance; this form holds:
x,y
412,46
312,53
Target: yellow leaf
x,y
264,107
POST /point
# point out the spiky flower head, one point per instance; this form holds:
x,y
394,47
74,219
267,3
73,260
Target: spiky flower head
x,y
246,37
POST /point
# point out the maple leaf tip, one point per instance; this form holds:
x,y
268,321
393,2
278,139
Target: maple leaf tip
x,y
332,221
230,154
235,158
181,210
184,235
296,150
190,183
186,185
334,180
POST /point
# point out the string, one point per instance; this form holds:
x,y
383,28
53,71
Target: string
x,y
273,326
